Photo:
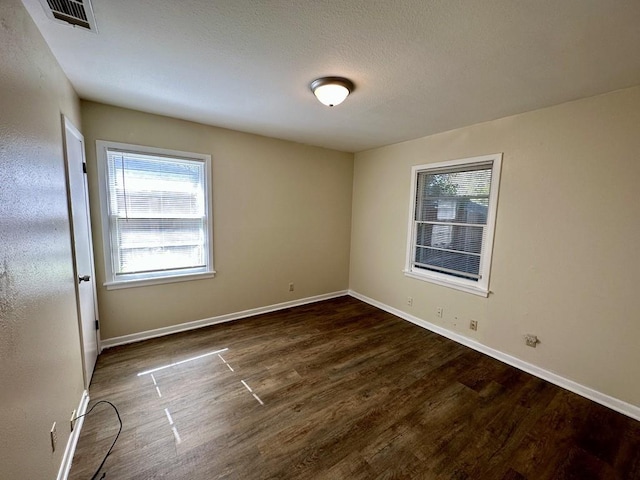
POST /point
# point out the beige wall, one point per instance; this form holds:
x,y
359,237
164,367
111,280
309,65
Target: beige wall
x,y
40,361
282,213
566,258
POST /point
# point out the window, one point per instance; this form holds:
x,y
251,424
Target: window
x,y
453,209
155,208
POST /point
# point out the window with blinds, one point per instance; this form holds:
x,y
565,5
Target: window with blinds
x,y
155,213
452,222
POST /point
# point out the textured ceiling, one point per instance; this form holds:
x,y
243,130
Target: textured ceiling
x,y
420,66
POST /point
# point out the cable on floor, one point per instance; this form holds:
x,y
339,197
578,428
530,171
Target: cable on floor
x,y
95,475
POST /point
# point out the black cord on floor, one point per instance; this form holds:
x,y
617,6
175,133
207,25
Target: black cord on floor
x,y
114,440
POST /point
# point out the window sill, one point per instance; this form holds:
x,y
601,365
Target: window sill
x,y
481,292
145,282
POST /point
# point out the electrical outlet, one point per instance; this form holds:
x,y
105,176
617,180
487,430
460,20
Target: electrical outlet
x,y
54,437
72,421
291,287
410,301
531,340
439,312
473,325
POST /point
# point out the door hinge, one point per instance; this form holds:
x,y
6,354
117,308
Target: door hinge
x,y
84,167
97,325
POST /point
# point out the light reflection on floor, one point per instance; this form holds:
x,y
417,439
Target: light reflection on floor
x,y
172,425
187,360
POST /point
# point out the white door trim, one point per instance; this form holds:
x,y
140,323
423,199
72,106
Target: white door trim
x,y
69,130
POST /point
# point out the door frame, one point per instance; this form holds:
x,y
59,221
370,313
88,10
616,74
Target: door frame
x,y
67,125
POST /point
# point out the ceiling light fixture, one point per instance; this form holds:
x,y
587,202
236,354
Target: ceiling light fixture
x,y
332,90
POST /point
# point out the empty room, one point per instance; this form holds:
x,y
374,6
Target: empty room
x,y
319,239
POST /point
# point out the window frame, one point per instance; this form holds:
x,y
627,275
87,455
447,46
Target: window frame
x,y
480,287
157,277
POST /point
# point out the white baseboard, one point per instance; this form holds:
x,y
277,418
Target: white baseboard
x,y
183,327
625,408
67,458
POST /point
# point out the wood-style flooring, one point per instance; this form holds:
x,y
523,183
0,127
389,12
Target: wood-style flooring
x,y
339,390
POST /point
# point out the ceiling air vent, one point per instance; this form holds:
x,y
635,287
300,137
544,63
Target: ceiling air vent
x,y
74,12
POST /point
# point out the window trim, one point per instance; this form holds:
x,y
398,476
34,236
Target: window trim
x,y
481,287
138,280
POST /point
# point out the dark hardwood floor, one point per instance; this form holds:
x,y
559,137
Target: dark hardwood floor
x,y
340,390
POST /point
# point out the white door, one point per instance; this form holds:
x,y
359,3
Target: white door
x,y
78,195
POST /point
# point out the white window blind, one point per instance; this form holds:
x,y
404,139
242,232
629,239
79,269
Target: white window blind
x,y
451,229
157,215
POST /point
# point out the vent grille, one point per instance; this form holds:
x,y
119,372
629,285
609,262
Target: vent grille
x,y
75,12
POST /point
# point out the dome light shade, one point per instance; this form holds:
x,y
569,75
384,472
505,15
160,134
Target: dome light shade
x,y
332,91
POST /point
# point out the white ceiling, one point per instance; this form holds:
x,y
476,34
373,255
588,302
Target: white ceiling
x,y
420,66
